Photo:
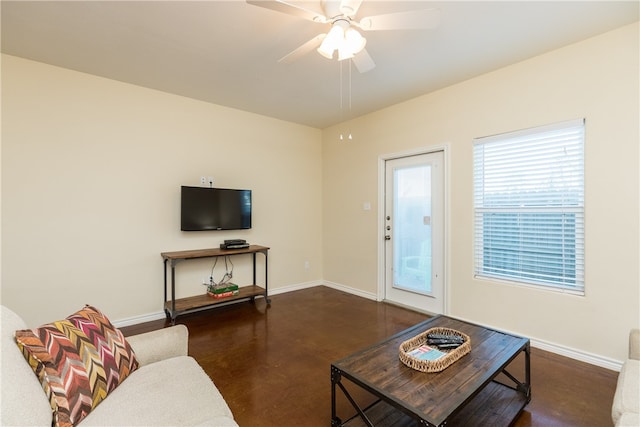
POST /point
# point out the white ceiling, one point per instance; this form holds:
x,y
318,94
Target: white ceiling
x,y
226,52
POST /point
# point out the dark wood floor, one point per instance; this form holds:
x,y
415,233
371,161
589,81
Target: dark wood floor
x,y
272,364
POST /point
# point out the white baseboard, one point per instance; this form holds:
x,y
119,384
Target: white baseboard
x,y
593,359
139,319
161,315
572,353
296,287
349,290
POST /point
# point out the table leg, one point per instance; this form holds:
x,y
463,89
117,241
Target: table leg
x,y
520,386
335,421
336,378
527,371
173,292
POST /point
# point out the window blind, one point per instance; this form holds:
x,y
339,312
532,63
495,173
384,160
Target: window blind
x,y
529,206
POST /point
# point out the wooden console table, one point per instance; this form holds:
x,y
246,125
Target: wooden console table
x,y
174,307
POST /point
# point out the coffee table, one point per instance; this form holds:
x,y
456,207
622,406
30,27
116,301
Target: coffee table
x,y
476,390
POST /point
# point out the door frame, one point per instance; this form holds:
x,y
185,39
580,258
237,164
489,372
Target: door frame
x,y
382,159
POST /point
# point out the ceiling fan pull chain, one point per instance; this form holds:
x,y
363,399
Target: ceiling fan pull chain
x,y
350,137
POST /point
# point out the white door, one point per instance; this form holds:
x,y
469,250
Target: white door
x,y
414,231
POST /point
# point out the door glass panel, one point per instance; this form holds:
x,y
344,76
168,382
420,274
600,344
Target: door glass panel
x,y
412,229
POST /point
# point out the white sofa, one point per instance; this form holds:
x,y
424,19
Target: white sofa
x,y
168,389
626,400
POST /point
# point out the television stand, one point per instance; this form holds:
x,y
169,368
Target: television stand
x,y
175,307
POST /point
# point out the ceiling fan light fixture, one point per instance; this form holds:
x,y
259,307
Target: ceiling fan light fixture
x,y
332,42
354,40
346,40
325,51
344,52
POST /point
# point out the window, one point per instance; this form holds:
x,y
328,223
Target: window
x,y
529,206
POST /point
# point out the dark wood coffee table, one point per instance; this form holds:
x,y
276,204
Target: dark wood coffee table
x,y
476,390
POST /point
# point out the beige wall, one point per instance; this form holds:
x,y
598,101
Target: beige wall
x,y
596,79
91,176
91,170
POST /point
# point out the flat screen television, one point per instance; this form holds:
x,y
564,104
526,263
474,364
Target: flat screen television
x,y
203,208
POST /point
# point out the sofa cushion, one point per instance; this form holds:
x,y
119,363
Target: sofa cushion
x,y
627,396
170,392
629,419
78,360
22,402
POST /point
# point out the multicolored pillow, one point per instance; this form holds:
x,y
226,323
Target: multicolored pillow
x,y
78,361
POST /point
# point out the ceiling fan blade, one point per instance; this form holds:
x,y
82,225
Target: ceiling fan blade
x,y
411,20
363,61
350,7
290,9
307,47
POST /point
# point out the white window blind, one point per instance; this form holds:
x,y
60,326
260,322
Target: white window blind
x,y
529,206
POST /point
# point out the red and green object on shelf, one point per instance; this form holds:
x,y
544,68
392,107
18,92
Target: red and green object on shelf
x,y
227,290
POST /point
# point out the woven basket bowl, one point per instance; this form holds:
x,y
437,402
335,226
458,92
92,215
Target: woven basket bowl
x,y
433,365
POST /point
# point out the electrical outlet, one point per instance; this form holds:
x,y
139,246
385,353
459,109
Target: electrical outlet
x,y
306,265
203,180
210,181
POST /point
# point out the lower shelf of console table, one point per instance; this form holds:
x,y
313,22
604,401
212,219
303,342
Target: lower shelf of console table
x,y
176,306
188,304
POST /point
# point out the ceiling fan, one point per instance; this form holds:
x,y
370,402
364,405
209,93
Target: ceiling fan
x,y
343,36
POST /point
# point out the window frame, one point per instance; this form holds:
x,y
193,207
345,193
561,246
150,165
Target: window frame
x,y
533,200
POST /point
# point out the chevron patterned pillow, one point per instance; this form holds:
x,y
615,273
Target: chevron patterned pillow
x,y
78,361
